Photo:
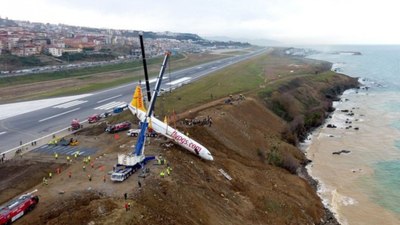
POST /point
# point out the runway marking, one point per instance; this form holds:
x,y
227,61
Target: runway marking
x,y
110,105
57,115
70,104
109,98
183,79
66,150
2,132
69,152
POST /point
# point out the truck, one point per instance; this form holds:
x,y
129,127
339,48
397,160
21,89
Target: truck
x,y
122,172
94,118
16,208
118,127
75,124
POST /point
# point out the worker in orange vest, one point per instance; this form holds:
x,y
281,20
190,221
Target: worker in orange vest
x,y
70,174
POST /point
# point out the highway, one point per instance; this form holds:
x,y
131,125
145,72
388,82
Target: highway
x,y
38,123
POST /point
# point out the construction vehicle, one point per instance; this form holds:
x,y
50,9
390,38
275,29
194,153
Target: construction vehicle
x,y
75,124
129,163
94,118
71,142
16,208
118,127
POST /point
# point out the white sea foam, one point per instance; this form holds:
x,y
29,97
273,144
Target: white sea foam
x,y
336,103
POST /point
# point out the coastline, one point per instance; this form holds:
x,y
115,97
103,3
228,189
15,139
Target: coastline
x,y
343,182
329,217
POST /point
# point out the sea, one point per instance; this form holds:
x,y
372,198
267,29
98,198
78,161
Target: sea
x,y
361,185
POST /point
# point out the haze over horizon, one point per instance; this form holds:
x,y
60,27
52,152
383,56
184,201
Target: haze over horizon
x,y
289,22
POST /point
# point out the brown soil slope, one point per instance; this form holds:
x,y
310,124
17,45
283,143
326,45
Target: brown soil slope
x,y
196,192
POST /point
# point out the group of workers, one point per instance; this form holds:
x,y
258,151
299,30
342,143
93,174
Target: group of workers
x,y
162,161
168,171
76,155
85,160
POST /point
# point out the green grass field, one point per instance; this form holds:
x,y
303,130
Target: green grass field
x,y
241,77
128,67
250,77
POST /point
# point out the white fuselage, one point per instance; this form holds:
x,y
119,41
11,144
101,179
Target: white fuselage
x,y
171,133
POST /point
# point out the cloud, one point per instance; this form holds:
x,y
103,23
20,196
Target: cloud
x,y
321,21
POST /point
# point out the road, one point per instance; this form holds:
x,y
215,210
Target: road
x,y
32,125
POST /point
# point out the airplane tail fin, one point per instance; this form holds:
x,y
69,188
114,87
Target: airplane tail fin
x,y
137,100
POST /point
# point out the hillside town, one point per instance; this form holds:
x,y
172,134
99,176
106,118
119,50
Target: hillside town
x,y
66,44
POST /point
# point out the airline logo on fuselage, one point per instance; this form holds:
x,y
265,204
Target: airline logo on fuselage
x,y
139,99
185,141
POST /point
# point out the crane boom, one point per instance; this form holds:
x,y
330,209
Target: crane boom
x,y
146,76
144,125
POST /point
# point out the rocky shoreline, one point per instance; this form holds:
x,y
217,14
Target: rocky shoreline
x,y
329,217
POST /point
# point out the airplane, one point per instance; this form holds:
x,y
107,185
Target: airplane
x,y
137,108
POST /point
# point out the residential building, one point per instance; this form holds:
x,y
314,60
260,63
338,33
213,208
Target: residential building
x,y
27,50
55,51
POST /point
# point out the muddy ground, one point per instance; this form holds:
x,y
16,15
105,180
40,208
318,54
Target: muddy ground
x,y
195,193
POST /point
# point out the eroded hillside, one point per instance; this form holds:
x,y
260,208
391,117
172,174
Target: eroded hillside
x,y
251,139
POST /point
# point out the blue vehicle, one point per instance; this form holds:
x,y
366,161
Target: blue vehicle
x,y
120,108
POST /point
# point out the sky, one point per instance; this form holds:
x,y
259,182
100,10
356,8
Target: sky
x,y
287,21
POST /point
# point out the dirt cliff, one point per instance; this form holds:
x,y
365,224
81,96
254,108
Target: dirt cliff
x,y
252,140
